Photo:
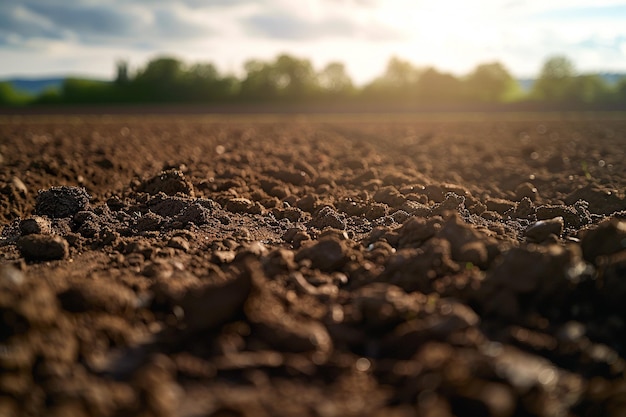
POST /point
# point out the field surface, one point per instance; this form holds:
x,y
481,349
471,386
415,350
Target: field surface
x,y
384,265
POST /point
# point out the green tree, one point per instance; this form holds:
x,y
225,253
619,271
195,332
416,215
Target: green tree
x,y
286,78
555,80
259,82
335,81
161,80
590,89
438,87
620,91
295,77
203,82
398,82
492,83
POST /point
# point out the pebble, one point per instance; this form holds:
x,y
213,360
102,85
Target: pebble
x,y
539,231
242,205
38,247
19,186
569,214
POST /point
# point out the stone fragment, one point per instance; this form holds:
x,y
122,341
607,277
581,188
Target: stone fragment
x,y
243,205
539,231
569,214
19,186
38,247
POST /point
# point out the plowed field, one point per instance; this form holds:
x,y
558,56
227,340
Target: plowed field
x,y
313,266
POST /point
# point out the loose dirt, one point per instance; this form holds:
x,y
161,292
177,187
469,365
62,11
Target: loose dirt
x,y
190,266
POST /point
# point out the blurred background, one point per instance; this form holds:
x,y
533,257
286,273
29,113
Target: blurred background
x,y
446,54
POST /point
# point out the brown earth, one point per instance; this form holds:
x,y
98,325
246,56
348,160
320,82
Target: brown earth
x,y
338,266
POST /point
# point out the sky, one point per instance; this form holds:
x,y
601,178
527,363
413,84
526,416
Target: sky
x,y
41,38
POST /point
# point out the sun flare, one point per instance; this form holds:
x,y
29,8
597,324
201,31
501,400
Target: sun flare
x,y
438,32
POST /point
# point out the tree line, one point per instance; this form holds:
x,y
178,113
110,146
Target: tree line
x,y
289,79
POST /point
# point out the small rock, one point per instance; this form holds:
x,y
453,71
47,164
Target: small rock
x,y
35,225
37,247
240,205
569,214
539,231
58,202
19,186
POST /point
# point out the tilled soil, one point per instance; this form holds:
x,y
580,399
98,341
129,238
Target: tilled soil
x,y
180,266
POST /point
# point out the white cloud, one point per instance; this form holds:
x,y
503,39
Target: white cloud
x,y
453,35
